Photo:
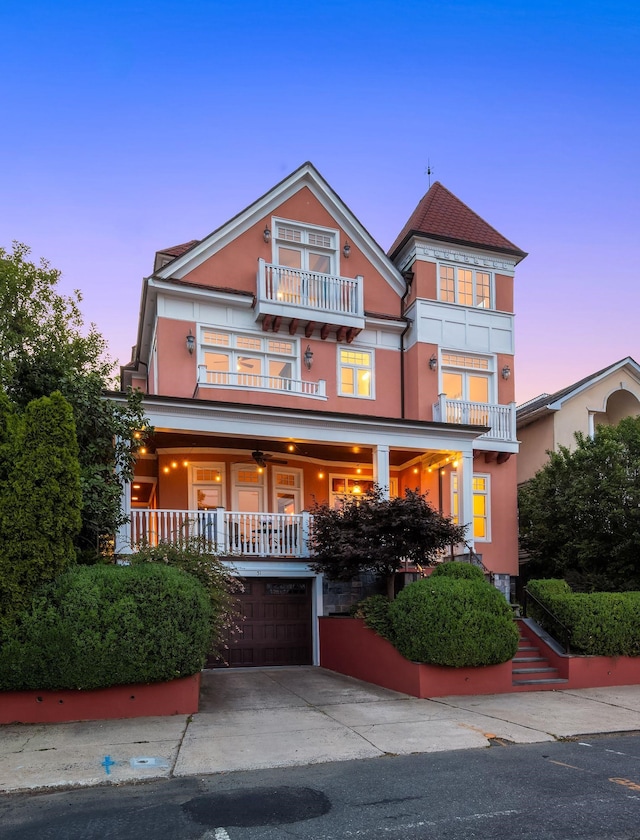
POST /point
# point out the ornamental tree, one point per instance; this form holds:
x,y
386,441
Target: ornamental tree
x,y
580,514
45,347
369,533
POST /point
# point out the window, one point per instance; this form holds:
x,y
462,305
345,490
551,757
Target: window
x,y
207,486
248,361
355,374
465,286
287,490
467,378
306,249
480,505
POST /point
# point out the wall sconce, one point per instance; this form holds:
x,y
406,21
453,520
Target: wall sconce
x,y
191,343
346,250
308,357
433,362
266,234
506,372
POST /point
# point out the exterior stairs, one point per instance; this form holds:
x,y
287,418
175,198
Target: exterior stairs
x,y
531,670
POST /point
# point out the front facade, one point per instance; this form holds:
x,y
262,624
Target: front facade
x,y
286,358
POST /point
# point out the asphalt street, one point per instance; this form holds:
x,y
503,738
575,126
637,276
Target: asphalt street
x,y
587,788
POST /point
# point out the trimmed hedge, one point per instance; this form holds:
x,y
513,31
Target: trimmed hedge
x,y
97,626
599,623
459,570
461,622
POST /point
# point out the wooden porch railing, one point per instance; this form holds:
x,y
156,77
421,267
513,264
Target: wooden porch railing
x,y
500,418
224,532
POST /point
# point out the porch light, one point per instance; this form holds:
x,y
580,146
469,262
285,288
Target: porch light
x,y
143,450
191,343
506,372
308,357
291,447
433,362
266,234
346,250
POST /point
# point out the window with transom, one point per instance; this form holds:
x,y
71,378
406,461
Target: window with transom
x,y
466,377
305,248
248,361
355,374
466,286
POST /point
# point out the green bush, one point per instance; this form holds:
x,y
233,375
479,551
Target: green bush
x,y
99,626
599,623
375,612
458,622
459,570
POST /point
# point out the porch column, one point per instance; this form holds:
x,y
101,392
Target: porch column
x,y
381,468
465,488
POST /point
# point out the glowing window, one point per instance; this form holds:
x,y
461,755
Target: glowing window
x,y
465,286
356,373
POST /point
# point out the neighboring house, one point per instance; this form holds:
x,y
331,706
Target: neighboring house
x,y
285,358
551,420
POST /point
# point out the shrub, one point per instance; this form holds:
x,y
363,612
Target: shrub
x,y
374,610
99,626
221,585
456,622
599,623
456,569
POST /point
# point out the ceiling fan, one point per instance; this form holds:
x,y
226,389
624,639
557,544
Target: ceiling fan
x,y
261,458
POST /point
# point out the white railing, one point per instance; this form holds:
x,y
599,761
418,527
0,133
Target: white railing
x,y
233,379
224,532
310,290
501,419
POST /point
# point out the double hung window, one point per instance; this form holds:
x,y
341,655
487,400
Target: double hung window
x,y
465,286
248,361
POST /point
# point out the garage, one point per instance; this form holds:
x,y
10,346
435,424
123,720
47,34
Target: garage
x,y
277,625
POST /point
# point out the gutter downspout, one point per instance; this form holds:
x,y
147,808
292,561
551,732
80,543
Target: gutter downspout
x,y
408,278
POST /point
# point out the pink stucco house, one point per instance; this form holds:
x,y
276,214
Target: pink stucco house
x,y
286,357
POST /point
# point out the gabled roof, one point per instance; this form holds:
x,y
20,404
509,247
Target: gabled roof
x,y
546,403
178,250
441,215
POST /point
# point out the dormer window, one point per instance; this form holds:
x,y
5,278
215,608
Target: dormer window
x,y
466,286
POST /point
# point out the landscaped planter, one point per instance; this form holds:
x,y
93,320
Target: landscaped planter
x,y
349,647
178,697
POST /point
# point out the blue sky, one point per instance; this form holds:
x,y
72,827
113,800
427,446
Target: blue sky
x,y
132,126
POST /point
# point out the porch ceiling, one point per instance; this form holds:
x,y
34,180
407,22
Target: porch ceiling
x,y
303,449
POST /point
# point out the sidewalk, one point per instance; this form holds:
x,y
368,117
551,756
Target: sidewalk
x,y
256,719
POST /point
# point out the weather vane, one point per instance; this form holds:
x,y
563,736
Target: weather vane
x,y
429,171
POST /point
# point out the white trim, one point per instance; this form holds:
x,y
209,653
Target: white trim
x,y
297,490
350,348
219,466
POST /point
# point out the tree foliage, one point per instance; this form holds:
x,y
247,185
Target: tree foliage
x,y
44,347
580,514
369,533
39,498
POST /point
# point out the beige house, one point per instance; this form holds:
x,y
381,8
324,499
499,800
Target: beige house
x,y
551,420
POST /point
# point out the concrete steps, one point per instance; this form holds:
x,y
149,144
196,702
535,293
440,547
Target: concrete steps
x,y
530,669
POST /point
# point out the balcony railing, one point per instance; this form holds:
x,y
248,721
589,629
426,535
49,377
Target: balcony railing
x,y
501,419
223,532
233,379
284,290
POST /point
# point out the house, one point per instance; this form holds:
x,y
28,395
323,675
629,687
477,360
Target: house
x,y
551,420
286,357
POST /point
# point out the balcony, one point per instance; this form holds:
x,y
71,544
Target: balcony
x,y
311,298
501,419
233,379
223,532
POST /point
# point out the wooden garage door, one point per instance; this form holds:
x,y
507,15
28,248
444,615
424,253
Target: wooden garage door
x,y
277,625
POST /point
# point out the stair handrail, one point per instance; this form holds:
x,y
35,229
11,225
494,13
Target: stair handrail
x,y
566,631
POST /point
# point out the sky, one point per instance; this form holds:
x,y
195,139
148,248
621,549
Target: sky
x,y
133,126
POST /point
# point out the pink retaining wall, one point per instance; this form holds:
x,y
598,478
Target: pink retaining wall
x,y
349,647
178,697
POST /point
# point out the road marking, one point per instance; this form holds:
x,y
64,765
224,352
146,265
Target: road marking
x,y
626,783
570,766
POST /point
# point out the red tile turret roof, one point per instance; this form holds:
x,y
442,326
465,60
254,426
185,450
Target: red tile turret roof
x,y
441,215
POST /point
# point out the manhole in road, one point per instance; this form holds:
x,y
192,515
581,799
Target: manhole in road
x,y
257,806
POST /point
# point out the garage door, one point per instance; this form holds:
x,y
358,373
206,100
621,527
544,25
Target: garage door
x,y
277,625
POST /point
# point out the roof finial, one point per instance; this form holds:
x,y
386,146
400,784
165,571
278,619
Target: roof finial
x,y
429,171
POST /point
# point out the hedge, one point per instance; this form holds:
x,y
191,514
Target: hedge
x,y
459,570
97,626
599,623
461,622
